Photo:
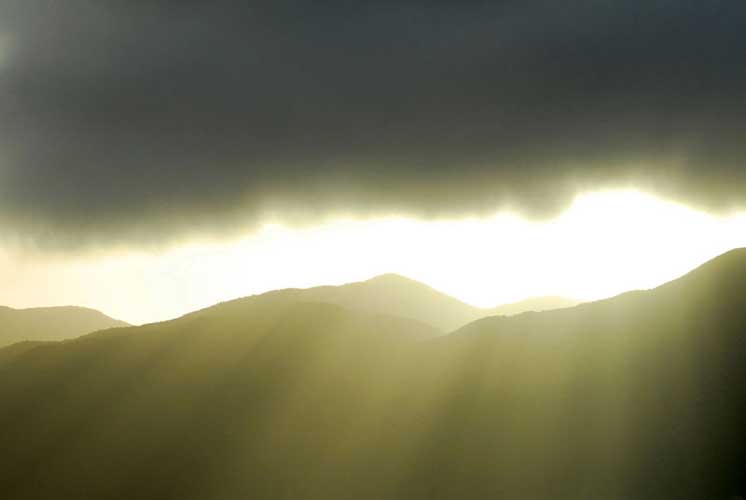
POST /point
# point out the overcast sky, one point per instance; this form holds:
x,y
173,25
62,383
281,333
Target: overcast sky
x,y
133,123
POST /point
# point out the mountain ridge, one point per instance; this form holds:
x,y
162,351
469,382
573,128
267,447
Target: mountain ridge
x,y
51,323
398,295
637,396
722,271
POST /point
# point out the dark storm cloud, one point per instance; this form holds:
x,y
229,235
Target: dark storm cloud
x,y
147,120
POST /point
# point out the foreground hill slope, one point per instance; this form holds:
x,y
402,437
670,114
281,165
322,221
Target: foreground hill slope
x,y
641,396
267,389
51,323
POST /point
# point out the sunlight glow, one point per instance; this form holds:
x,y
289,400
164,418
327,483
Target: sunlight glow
x,y
606,243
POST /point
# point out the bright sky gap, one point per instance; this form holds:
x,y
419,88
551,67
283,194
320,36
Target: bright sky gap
x,y
606,243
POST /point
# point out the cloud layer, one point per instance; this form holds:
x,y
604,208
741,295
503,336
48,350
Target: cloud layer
x,y
134,122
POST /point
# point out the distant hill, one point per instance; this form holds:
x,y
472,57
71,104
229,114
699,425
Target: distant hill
x,y
641,396
51,323
400,296
536,304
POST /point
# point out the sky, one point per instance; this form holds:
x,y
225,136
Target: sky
x,y
605,243
137,132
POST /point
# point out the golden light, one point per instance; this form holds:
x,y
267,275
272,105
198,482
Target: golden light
x,y
606,243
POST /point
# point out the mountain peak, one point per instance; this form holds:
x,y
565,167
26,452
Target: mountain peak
x,y
392,278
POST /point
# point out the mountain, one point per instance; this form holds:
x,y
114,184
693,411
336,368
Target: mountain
x,y
399,296
388,294
641,396
51,323
536,304
259,391
638,396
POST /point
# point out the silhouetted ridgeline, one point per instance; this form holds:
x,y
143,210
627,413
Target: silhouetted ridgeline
x,y
399,296
51,323
637,397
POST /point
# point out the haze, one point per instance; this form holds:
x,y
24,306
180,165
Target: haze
x,y
390,250
606,243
